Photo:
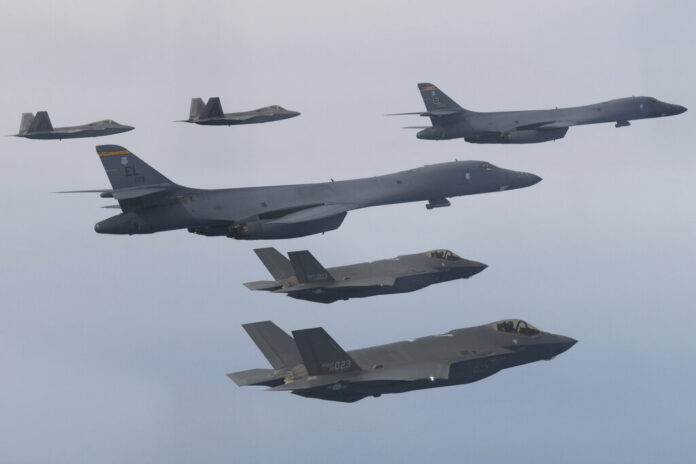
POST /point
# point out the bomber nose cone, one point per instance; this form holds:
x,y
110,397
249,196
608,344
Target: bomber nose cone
x,y
681,109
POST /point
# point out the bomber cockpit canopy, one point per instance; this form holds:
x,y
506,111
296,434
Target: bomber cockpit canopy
x,y
516,326
489,166
109,121
445,255
276,107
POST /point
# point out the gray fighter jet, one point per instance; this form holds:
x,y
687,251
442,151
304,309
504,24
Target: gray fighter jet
x,y
313,365
451,121
40,127
211,114
152,203
302,276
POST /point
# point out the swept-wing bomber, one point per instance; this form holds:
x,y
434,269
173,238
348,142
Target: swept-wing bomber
x,y
304,278
210,114
313,365
451,121
152,203
40,127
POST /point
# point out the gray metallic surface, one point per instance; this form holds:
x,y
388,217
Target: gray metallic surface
x,y
152,203
47,132
406,273
450,121
457,357
211,114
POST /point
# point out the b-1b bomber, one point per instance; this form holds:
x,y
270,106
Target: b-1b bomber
x,y
451,121
304,278
313,365
152,203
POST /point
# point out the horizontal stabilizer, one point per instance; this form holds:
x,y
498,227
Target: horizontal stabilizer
x,y
416,127
137,192
277,346
313,214
321,354
256,377
267,285
307,268
278,265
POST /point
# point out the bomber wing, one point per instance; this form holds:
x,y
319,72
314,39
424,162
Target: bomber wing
x,y
314,213
546,125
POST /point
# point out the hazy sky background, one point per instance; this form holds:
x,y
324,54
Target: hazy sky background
x,y
114,349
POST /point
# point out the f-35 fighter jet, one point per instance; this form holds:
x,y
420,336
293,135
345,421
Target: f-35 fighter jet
x,y
40,127
302,276
211,114
313,365
152,203
451,121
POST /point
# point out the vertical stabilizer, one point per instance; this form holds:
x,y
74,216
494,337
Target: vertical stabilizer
x,y
24,125
307,268
278,265
321,354
435,99
212,109
125,170
197,106
277,346
41,123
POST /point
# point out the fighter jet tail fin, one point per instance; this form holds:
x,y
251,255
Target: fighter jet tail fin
x,y
278,265
435,99
40,122
197,106
25,123
125,170
277,346
212,109
321,354
307,268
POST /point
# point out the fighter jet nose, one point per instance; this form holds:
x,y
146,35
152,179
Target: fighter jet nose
x,y
97,227
565,344
534,179
681,109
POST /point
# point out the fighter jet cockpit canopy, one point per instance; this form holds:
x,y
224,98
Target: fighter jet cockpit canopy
x,y
444,255
516,326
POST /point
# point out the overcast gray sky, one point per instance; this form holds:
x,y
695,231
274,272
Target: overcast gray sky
x,y
114,349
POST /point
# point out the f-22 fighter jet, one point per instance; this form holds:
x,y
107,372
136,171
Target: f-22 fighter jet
x,y
40,127
451,121
302,276
211,114
313,365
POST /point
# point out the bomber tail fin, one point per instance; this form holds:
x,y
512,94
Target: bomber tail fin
x,y
436,101
277,346
278,265
197,106
307,268
321,354
212,109
24,125
40,123
125,170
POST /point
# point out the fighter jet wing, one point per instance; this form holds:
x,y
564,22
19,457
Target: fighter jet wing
x,y
314,213
385,281
406,373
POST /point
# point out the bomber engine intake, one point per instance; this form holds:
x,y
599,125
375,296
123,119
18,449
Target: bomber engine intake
x,y
270,229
